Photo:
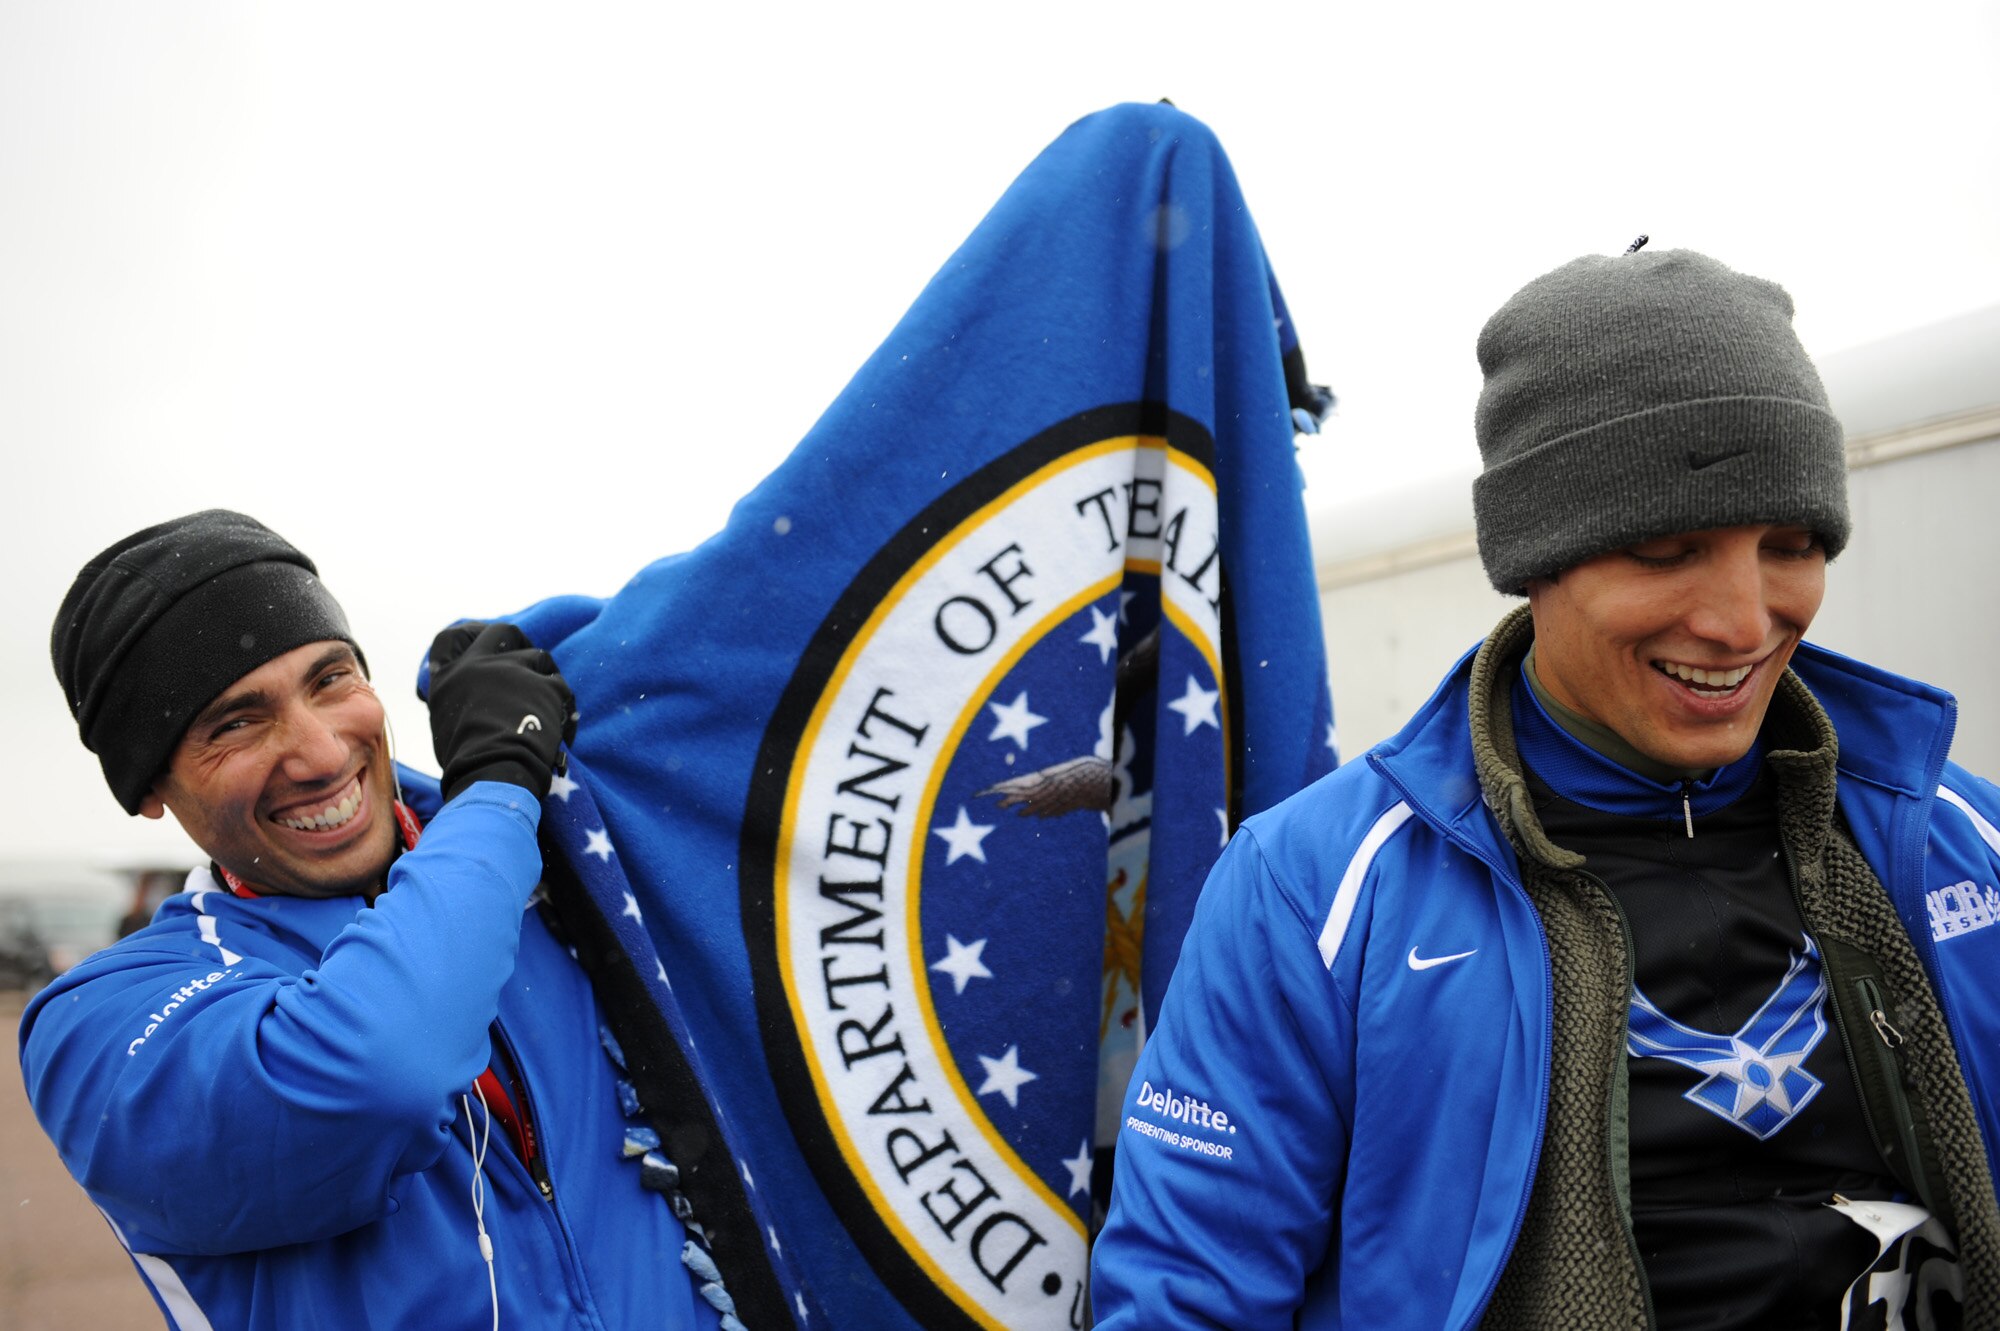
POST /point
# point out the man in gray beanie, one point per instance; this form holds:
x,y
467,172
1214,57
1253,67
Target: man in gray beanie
x,y
351,1076
1646,977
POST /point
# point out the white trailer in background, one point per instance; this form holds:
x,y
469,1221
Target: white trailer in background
x,y
1917,591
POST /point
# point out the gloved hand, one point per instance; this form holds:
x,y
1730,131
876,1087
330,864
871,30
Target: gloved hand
x,y
499,708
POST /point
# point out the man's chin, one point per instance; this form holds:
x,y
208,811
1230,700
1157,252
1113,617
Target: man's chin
x,y
1696,753
356,871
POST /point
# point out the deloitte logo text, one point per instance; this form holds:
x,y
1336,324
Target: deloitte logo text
x,y
154,1020
1183,1108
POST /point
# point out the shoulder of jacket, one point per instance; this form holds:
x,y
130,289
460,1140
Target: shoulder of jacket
x,y
1321,844
1968,804
142,969
177,932
209,920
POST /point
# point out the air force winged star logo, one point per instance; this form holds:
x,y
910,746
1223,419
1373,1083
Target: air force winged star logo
x,y
968,779
1755,1078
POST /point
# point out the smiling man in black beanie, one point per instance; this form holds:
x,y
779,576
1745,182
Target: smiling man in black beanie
x,y
282,1092
1646,977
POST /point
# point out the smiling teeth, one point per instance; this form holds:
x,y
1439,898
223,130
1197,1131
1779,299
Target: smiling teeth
x,y
333,815
1722,680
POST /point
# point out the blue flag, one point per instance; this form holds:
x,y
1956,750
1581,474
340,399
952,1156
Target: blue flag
x,y
890,803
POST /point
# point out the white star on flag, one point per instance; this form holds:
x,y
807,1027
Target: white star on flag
x,y
1222,816
1197,707
1078,1166
598,843
1006,1076
1103,634
561,786
964,837
748,1182
1332,743
962,962
632,909
1014,721
663,973
776,1247
1124,599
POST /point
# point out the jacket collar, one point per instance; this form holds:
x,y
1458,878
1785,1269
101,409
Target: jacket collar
x,y
1895,731
1494,753
1431,765
1576,768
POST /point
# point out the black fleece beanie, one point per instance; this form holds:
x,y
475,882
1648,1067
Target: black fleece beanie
x,y
157,626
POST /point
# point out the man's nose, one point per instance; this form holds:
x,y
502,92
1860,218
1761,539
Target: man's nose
x,y
315,750
1732,606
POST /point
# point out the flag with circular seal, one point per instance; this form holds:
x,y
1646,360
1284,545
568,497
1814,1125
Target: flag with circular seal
x,y
902,787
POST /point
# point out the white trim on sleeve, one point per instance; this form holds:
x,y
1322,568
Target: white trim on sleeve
x,y
185,1313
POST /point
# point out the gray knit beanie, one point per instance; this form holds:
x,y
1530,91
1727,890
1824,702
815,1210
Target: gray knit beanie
x,y
158,625
1639,396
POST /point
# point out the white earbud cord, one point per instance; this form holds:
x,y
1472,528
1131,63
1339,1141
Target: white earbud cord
x,y
479,1190
395,777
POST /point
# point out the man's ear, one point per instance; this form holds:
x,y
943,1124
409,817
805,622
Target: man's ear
x,y
151,805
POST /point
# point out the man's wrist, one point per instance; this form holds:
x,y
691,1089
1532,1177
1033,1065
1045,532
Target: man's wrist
x,y
522,776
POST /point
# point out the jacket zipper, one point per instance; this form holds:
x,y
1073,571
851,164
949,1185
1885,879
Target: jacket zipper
x,y
1687,806
1840,1024
562,1238
1868,1116
1870,995
536,1164
1899,1101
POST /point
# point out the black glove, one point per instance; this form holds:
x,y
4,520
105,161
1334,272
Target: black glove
x,y
499,708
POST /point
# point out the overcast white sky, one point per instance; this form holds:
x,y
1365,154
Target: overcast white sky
x,y
483,302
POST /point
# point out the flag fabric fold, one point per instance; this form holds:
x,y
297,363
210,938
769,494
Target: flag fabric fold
x,y
890,803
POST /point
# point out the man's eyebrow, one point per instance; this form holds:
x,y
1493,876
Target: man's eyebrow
x,y
229,704
337,654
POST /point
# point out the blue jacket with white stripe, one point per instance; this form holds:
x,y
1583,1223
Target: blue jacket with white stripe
x,y
263,1097
1337,1122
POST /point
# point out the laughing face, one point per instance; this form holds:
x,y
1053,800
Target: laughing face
x,y
285,777
1677,643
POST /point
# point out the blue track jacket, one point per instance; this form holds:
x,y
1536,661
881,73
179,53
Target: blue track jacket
x,y
1336,1123
262,1095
